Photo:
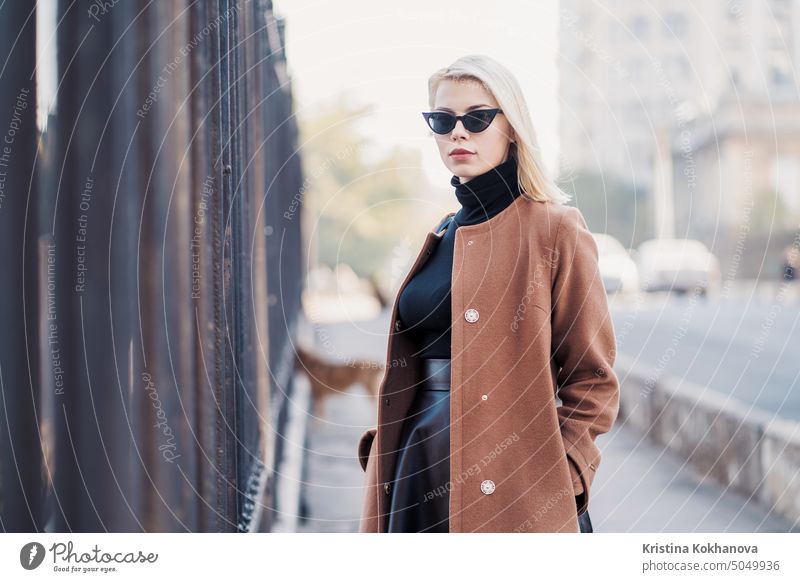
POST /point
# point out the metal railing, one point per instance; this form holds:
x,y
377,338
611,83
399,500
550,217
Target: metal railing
x,y
152,271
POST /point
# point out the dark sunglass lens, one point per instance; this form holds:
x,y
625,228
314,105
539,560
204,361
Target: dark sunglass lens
x,y
479,120
441,122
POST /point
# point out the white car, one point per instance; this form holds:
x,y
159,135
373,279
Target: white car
x,y
618,270
676,264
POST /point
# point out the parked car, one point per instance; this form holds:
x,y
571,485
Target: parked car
x,y
673,264
617,268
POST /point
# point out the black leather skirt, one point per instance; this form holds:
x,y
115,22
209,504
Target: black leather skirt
x,y
421,486
421,496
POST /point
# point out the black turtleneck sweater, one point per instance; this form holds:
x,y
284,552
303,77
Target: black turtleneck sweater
x,y
424,306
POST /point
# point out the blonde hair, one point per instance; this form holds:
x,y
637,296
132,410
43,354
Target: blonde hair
x,y
501,83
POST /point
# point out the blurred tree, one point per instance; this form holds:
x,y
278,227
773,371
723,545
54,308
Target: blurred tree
x,y
610,205
770,212
360,210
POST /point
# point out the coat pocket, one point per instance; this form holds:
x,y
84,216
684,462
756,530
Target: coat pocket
x,y
582,474
364,447
370,521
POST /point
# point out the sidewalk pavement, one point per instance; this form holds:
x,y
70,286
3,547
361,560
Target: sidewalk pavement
x,y
638,487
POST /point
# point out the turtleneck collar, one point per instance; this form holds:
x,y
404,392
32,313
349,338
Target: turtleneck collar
x,y
487,194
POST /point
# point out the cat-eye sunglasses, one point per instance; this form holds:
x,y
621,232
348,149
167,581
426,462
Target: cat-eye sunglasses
x,y
476,121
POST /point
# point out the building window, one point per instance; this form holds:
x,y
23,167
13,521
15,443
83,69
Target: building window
x,y
780,70
676,25
639,27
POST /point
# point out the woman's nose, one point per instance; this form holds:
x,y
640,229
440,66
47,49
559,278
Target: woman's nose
x,y
459,129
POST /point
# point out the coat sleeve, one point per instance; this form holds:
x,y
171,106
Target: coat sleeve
x,y
584,351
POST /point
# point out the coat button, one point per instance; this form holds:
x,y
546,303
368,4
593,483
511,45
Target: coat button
x,y
387,487
398,325
487,487
599,372
471,315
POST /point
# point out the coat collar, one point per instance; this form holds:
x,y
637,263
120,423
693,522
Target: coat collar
x,y
510,210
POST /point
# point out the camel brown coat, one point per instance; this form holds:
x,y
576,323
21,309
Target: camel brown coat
x,y
530,324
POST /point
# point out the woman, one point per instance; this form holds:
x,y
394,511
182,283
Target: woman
x,y
503,311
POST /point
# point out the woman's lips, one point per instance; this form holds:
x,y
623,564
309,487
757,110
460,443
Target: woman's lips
x,y
461,154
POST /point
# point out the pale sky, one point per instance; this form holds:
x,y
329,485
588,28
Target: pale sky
x,y
383,53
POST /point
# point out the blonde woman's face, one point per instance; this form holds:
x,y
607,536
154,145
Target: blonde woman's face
x,y
490,147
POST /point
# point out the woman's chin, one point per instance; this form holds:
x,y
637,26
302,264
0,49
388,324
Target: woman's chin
x,y
463,169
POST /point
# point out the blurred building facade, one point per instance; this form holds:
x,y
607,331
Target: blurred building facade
x,y
713,83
